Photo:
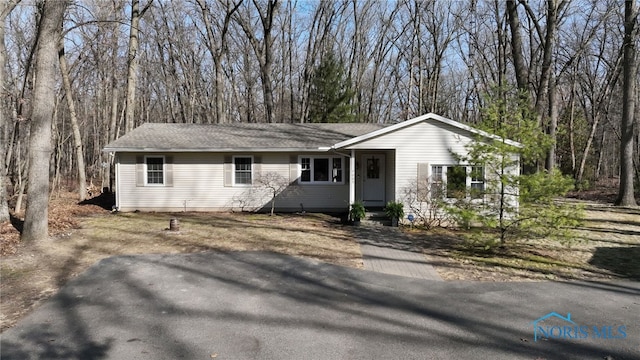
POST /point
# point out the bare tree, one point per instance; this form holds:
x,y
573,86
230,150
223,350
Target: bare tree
x,y
77,138
320,28
597,94
424,201
218,48
263,48
5,9
274,185
630,69
49,33
541,86
443,28
252,61
133,61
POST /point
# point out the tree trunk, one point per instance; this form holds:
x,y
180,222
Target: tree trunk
x,y
132,66
546,89
21,181
553,125
630,68
516,46
601,153
77,138
50,30
112,134
266,64
132,63
217,49
572,106
266,67
5,9
547,55
587,147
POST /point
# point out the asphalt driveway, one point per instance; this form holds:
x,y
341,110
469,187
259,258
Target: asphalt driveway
x,y
255,305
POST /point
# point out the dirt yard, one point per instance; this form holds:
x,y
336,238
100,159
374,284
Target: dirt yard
x,y
609,248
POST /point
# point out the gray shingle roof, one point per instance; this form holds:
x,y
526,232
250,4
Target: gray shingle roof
x,y
237,137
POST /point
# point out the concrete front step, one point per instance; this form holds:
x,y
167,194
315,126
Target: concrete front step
x,y
376,218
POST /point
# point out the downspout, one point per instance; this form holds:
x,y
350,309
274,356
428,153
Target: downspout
x,y
352,178
118,189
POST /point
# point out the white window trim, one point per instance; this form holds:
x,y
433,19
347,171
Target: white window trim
x,y
313,182
164,170
468,182
233,170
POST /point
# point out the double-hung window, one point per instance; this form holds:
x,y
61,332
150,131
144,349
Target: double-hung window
x,y
457,181
154,170
242,173
437,181
477,182
321,170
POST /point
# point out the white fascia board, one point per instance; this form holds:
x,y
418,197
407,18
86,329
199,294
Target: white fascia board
x,y
218,150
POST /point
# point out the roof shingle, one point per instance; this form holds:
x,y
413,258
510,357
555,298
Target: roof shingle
x,y
237,137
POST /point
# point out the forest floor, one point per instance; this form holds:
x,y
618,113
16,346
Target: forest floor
x,y
607,247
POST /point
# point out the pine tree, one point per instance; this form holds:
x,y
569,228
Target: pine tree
x,y
330,95
514,205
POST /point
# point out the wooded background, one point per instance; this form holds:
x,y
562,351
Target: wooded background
x,y
121,63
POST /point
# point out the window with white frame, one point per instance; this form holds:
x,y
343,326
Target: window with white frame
x,y
458,181
477,182
437,181
242,173
321,170
154,170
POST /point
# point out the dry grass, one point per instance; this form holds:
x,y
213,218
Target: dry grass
x,y
36,271
606,247
312,235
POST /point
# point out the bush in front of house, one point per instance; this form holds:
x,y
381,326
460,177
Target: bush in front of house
x,y
395,211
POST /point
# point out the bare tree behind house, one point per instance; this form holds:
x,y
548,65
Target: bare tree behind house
x,y
216,31
201,61
73,117
262,46
5,9
133,61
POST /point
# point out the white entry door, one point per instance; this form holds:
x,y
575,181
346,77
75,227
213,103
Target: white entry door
x,y
373,179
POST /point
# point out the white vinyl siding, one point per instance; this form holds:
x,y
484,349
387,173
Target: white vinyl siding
x,y
428,142
204,181
198,185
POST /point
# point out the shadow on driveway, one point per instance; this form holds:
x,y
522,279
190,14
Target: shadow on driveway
x,y
256,305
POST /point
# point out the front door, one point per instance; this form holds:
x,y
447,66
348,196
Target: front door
x,y
373,179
